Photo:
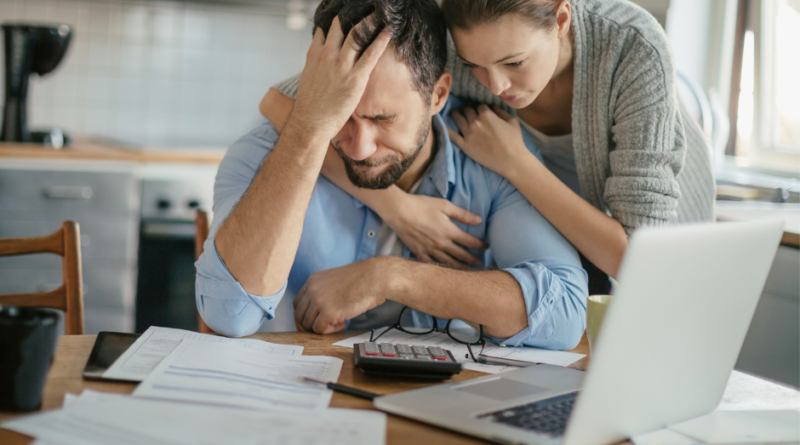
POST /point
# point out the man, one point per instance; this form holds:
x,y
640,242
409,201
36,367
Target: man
x,y
376,94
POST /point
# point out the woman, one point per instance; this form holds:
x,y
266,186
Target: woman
x,y
592,83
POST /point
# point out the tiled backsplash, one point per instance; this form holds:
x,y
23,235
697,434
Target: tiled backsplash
x,y
154,73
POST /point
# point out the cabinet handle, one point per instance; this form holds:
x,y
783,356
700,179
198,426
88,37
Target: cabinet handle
x,y
68,192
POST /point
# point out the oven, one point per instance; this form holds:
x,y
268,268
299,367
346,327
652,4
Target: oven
x,y
166,273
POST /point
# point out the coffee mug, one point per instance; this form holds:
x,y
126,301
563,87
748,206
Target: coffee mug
x,y
27,343
595,311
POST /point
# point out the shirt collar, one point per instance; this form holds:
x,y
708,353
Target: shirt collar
x,y
443,168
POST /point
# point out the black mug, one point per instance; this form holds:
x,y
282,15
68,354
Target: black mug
x,y
27,344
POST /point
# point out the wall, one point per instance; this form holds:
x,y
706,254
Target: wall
x,y
159,73
701,34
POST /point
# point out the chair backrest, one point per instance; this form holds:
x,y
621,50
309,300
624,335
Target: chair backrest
x,y
201,233
68,297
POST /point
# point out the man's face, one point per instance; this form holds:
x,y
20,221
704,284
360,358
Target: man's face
x,y
388,128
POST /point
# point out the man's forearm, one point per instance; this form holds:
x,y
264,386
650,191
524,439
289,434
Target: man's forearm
x,y
259,240
491,298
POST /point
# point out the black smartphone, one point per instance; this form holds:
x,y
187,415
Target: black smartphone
x,y
107,348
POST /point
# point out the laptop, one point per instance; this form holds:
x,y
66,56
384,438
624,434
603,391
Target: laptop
x,y
670,338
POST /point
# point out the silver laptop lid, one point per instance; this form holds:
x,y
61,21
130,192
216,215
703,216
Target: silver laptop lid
x,y
674,329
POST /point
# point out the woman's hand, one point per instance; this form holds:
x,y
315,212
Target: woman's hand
x,y
424,225
492,138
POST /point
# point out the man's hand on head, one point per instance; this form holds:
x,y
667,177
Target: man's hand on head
x,y
335,77
333,296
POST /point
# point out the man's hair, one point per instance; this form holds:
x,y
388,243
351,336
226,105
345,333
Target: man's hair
x,y
466,14
419,33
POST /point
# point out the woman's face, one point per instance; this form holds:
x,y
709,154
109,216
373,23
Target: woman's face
x,y
511,57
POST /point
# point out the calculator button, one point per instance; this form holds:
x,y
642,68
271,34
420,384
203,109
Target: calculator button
x,y
423,358
389,354
372,353
439,357
419,350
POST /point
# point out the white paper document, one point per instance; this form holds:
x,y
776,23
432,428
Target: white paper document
x,y
96,419
664,437
731,427
461,353
231,375
155,343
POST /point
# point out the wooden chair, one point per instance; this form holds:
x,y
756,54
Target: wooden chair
x,y
201,224
68,297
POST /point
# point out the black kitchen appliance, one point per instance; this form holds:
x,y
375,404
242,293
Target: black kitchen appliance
x,y
30,49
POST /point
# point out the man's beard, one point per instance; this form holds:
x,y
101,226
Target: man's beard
x,y
396,167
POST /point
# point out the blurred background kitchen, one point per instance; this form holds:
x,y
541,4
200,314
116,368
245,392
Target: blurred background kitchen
x,y
163,74
150,94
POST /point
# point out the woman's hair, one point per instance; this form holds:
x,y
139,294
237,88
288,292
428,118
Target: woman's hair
x,y
466,14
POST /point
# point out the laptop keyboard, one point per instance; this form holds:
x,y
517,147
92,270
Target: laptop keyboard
x,y
544,416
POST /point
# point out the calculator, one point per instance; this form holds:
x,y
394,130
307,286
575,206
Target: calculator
x,y
406,361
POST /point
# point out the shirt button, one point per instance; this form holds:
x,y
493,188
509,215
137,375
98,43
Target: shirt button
x,y
371,234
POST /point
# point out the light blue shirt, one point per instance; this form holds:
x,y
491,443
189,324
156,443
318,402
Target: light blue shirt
x,y
340,230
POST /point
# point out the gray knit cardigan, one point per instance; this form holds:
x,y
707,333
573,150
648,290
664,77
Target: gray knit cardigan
x,y
640,156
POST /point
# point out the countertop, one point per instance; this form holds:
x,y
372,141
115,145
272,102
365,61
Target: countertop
x,y
92,150
99,151
754,210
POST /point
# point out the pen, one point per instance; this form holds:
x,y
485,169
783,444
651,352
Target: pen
x,y
485,359
344,389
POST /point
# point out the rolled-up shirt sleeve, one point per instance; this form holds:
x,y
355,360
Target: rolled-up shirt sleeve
x,y
221,301
547,268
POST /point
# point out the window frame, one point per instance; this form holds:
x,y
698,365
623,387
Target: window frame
x,y
764,152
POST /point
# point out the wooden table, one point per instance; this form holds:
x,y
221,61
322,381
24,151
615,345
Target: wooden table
x,y
73,351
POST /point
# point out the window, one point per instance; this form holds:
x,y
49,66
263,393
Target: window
x,y
783,71
767,117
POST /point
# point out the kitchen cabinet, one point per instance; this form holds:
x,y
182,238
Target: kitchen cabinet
x,y
100,187
103,197
772,346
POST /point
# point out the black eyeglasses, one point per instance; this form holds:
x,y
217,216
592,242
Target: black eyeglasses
x,y
481,341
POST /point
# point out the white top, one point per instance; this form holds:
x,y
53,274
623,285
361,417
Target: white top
x,y
558,155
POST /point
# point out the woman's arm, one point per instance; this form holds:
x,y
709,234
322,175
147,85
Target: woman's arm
x,y
276,107
494,139
599,237
422,222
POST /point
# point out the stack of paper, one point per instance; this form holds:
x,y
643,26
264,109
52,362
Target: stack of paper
x,y
461,354
202,389
226,374
96,418
156,343
730,427
181,365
